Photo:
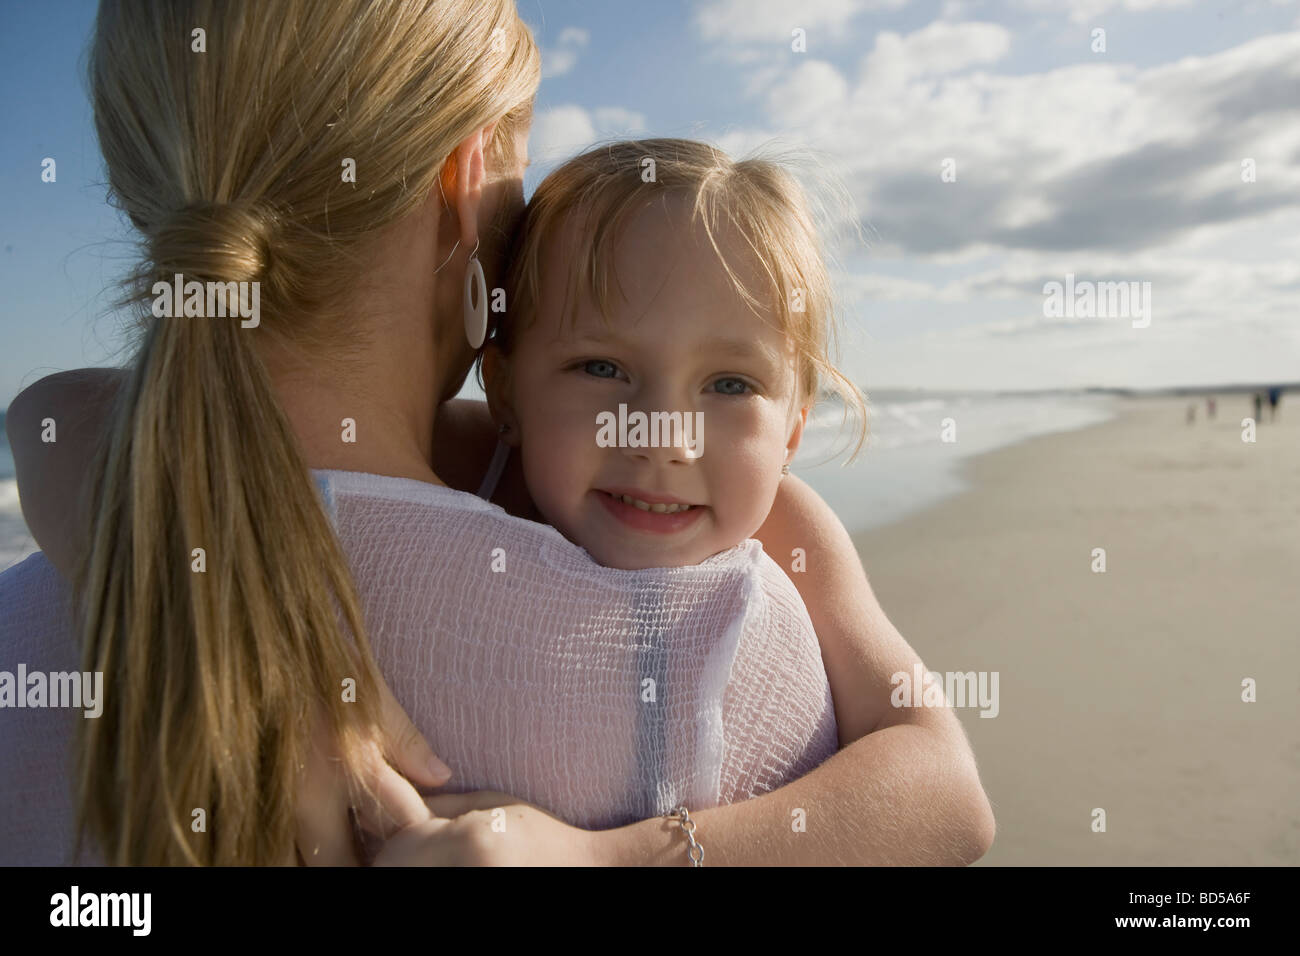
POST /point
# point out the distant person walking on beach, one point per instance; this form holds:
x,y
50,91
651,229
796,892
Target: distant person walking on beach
x,y
1274,396
1191,414
1259,407
1209,407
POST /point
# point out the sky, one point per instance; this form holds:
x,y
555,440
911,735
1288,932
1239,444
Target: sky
x,y
966,154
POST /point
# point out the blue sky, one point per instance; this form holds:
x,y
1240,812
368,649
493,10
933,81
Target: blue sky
x,y
1114,165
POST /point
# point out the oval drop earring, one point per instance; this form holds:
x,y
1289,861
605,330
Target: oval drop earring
x,y
475,311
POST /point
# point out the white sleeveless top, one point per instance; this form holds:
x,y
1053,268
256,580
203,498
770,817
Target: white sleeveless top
x,y
604,696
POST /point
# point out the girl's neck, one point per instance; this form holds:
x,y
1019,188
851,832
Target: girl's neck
x,y
512,490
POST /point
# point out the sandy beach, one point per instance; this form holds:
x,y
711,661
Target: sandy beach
x,y
1122,690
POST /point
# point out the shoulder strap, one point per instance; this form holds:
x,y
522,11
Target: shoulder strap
x,y
493,475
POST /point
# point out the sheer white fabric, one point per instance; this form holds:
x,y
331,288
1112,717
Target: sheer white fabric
x,y
604,696
36,806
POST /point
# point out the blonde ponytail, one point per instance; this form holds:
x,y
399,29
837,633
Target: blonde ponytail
x,y
210,596
216,599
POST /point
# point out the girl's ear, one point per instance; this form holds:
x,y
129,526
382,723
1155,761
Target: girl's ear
x,y
496,381
796,434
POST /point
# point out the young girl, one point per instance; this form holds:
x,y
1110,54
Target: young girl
x,y
719,321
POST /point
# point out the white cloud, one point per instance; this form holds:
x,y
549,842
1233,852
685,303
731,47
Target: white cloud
x,y
617,121
1098,155
563,131
771,21
813,87
1082,11
574,36
879,287
560,131
1103,169
561,58
956,9
938,49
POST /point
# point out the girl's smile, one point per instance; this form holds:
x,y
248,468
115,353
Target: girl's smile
x,y
655,519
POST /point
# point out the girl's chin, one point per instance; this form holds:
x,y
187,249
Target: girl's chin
x,y
635,556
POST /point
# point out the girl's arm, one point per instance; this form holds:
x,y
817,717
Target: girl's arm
x,y
73,409
902,790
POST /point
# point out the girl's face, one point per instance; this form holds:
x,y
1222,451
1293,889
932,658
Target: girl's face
x,y
682,341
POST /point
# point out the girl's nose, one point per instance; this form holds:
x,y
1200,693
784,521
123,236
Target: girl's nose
x,y
663,436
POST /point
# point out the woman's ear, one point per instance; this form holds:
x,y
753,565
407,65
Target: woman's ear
x,y
496,382
462,179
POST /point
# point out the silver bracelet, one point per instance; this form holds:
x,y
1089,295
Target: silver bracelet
x,y
683,816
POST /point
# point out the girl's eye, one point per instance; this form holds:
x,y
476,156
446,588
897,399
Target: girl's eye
x,y
732,386
600,368
603,368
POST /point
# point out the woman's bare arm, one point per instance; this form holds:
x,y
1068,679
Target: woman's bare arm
x,y
72,408
904,788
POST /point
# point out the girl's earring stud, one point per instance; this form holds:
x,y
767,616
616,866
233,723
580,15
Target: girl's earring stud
x,y
785,469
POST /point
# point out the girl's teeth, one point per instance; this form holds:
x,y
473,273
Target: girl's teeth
x,y
659,508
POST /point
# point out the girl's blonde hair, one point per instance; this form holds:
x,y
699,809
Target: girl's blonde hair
x,y
228,160
605,187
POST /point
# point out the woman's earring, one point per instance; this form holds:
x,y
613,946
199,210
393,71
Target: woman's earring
x,y
476,312
785,469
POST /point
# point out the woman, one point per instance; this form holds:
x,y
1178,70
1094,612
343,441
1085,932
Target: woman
x,y
352,158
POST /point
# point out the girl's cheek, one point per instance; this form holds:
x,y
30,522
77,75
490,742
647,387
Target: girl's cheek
x,y
744,434
552,404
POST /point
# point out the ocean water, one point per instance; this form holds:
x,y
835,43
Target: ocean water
x,y
904,468
15,541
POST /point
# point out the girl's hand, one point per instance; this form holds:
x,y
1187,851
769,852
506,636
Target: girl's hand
x,y
326,833
487,828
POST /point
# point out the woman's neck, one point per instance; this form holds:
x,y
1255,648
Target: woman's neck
x,y
353,429
371,406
